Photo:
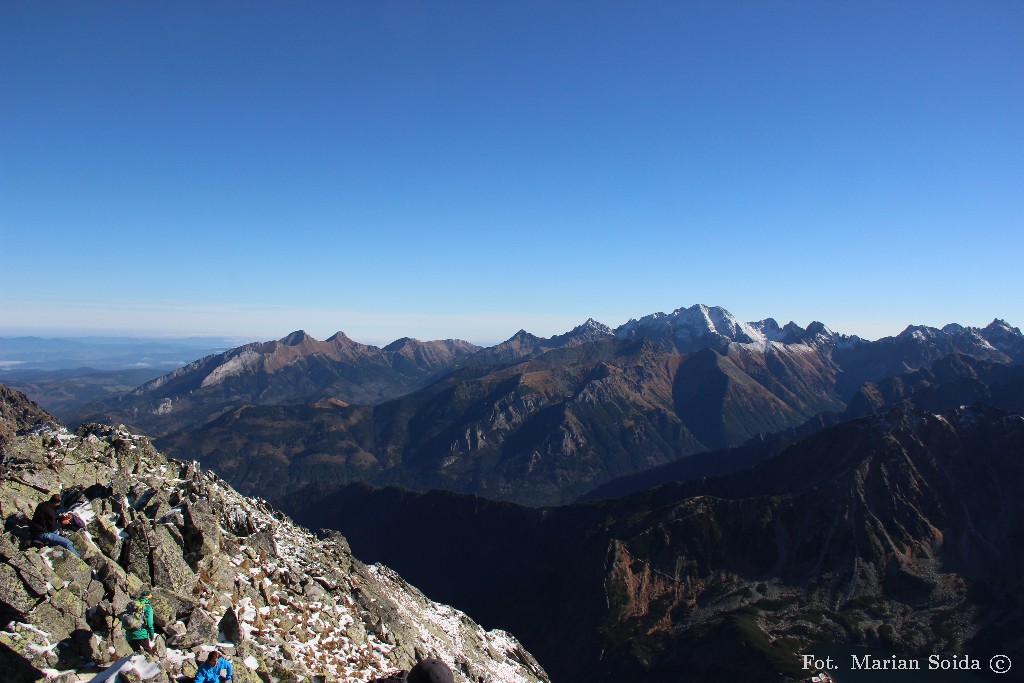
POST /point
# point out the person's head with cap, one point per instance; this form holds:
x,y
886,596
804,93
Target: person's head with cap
x,y
430,671
145,593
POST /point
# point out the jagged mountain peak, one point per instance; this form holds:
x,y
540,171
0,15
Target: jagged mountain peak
x,y
922,332
340,337
591,330
693,328
1000,324
1004,337
297,338
817,328
592,325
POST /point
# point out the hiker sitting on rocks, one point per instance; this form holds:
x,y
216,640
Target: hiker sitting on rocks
x,y
214,669
137,620
45,523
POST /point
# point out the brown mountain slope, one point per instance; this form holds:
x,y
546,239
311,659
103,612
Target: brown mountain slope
x,y
542,430
295,369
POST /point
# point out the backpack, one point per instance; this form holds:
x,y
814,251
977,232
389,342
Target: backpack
x,y
133,617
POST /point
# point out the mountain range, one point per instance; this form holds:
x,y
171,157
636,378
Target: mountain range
x,y
535,421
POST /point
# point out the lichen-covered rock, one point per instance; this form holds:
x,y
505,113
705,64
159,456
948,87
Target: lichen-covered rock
x,y
169,607
200,629
137,550
169,567
36,572
106,535
13,591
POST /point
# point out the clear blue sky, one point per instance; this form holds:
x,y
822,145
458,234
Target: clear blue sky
x,y
465,169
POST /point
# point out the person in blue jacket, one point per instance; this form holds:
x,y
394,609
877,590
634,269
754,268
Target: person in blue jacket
x,y
214,669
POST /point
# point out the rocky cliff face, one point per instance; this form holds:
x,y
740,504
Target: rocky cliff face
x,y
226,571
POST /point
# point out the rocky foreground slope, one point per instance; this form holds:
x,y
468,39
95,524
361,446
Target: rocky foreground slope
x,y
284,604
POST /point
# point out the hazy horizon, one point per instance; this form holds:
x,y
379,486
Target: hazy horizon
x,y
322,333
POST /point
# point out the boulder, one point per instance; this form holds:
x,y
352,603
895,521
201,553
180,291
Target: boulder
x,y
230,627
79,578
201,532
137,553
14,593
106,535
169,567
63,613
169,607
263,541
239,522
201,629
35,573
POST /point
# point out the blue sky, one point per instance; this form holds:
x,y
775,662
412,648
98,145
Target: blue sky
x,y
466,169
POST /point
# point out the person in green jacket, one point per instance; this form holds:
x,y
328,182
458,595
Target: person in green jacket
x,y
142,637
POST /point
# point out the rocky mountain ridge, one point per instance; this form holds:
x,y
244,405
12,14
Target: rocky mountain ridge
x,y
226,571
299,369
538,421
294,369
546,429
542,430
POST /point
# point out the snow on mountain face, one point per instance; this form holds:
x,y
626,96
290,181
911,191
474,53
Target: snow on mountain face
x,y
592,327
998,341
699,326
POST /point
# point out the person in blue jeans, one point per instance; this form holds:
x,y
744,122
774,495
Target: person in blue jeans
x,y
45,523
214,670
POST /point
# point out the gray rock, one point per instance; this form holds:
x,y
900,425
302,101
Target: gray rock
x,y
169,607
238,522
35,573
137,550
106,535
201,532
168,562
79,578
14,593
201,629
